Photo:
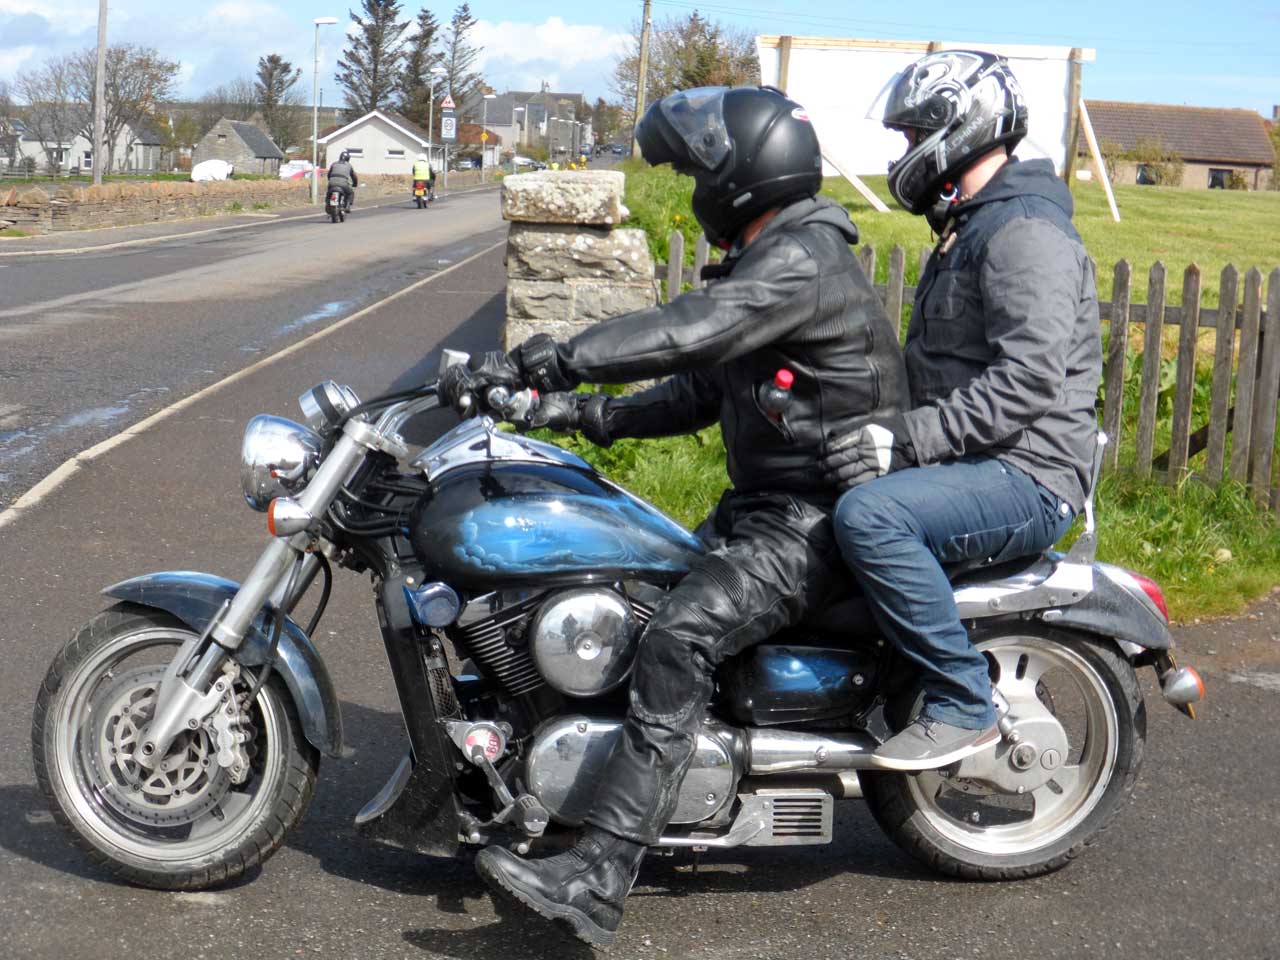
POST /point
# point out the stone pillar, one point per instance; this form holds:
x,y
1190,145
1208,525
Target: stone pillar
x,y
568,265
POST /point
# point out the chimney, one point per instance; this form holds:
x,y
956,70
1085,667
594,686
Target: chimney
x,y
1275,112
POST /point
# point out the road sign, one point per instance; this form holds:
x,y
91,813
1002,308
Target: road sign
x,y
484,137
447,102
449,128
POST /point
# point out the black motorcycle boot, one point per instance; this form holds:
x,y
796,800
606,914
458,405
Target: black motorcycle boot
x,y
585,886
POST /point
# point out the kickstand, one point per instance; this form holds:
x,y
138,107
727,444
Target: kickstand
x,y
697,859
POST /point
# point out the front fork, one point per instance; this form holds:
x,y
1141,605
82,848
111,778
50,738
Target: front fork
x,y
194,683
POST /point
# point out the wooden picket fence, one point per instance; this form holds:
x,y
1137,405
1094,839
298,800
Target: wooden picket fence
x,y
1246,357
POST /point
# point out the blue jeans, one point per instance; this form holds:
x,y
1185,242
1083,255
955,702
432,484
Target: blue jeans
x,y
898,530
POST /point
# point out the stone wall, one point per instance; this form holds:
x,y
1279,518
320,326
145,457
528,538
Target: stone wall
x,y
78,207
568,263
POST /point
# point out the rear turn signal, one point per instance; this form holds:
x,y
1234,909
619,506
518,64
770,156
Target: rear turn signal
x,y
1152,590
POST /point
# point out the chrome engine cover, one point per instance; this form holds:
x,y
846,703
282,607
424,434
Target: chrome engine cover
x,y
568,755
584,640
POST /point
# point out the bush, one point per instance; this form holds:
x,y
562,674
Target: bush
x,y
1236,181
1164,167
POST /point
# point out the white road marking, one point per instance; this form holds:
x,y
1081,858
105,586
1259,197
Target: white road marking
x,y
72,466
1257,678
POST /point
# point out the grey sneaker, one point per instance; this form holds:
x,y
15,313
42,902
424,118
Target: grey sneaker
x,y
925,744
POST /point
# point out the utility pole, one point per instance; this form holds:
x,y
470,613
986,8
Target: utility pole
x,y
99,98
640,78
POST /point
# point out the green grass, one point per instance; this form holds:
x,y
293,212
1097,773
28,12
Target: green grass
x,y
13,233
235,207
261,205
1174,535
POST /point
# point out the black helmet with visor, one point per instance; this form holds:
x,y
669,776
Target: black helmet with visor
x,y
748,149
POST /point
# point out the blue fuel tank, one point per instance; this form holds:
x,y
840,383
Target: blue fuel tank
x,y
505,524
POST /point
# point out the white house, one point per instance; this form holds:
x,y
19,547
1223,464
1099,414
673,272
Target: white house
x,y
381,141
137,149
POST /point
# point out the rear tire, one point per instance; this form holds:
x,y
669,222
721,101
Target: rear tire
x,y
208,831
935,829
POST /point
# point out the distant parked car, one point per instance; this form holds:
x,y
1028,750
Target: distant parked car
x,y
295,170
618,149
528,163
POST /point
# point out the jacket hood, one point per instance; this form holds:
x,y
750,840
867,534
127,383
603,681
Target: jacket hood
x,y
1020,179
814,210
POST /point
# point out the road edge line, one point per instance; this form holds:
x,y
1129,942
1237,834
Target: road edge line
x,y
70,467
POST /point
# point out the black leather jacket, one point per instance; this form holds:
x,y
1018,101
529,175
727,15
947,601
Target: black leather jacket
x,y
343,174
794,298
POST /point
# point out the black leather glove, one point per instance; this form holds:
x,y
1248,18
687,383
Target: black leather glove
x,y
538,360
474,379
566,412
875,446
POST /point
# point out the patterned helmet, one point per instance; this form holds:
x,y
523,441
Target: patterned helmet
x,y
962,103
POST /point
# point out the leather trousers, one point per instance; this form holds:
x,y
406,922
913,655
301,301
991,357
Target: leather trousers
x,y
774,559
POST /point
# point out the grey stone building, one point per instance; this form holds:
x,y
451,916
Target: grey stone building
x,y
239,143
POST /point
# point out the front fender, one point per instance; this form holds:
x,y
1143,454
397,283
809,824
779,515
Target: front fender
x,y
195,598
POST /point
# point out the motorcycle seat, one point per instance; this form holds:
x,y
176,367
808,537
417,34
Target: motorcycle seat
x,y
850,613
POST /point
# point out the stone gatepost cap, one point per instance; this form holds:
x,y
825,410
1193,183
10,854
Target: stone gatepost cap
x,y
565,196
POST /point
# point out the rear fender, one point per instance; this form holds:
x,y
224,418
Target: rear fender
x,y
1111,609
195,598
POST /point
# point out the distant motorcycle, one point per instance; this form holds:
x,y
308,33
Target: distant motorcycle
x,y
335,205
178,734
422,194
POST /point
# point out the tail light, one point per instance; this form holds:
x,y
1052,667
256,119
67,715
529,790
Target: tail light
x,y
1153,592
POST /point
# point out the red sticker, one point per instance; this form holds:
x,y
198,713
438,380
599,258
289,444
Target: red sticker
x,y
799,114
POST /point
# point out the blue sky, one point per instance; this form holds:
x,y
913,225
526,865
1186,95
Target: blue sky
x,y
1175,52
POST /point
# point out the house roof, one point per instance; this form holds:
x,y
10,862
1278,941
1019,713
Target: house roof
x,y
403,124
257,141
1193,133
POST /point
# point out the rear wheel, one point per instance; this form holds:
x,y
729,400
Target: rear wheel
x,y
184,824
1026,808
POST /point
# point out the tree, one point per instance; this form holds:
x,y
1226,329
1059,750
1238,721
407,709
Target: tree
x,y
415,77
685,52
278,101
50,114
237,100
8,132
606,120
137,81
460,79
368,70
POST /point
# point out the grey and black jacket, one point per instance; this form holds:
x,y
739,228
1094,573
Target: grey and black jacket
x,y
1004,350
342,174
795,298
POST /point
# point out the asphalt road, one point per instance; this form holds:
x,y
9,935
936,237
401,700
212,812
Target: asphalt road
x,y
1189,870
93,342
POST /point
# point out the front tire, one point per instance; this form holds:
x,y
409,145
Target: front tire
x,y
186,825
968,829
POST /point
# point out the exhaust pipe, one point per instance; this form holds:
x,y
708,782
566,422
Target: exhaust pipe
x,y
771,752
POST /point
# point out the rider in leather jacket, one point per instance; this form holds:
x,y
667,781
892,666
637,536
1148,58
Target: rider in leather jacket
x,y
789,295
343,175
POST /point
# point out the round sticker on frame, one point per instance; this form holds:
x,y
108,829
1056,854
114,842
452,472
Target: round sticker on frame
x,y
799,114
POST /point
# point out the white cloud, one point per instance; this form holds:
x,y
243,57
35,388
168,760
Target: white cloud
x,y
64,16
11,60
507,44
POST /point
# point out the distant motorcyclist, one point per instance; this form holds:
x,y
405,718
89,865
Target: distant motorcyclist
x,y
343,176
422,170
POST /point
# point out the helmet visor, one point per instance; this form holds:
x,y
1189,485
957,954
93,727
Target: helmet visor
x,y
698,117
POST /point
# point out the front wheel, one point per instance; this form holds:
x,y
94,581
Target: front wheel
x,y
1026,808
184,825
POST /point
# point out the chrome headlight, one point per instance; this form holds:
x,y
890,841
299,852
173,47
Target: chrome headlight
x,y
324,405
277,459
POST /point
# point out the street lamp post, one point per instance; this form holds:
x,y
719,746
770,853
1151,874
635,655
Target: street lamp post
x,y
484,132
436,71
520,127
315,103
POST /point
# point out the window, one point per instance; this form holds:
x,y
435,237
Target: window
x,y
222,138
395,154
1219,178
1144,176
87,162
355,152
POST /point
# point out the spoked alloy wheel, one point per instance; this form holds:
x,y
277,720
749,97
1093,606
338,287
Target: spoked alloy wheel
x,y
185,824
1030,804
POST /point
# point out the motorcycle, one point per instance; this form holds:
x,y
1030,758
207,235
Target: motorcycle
x,y
335,205
178,734
422,194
